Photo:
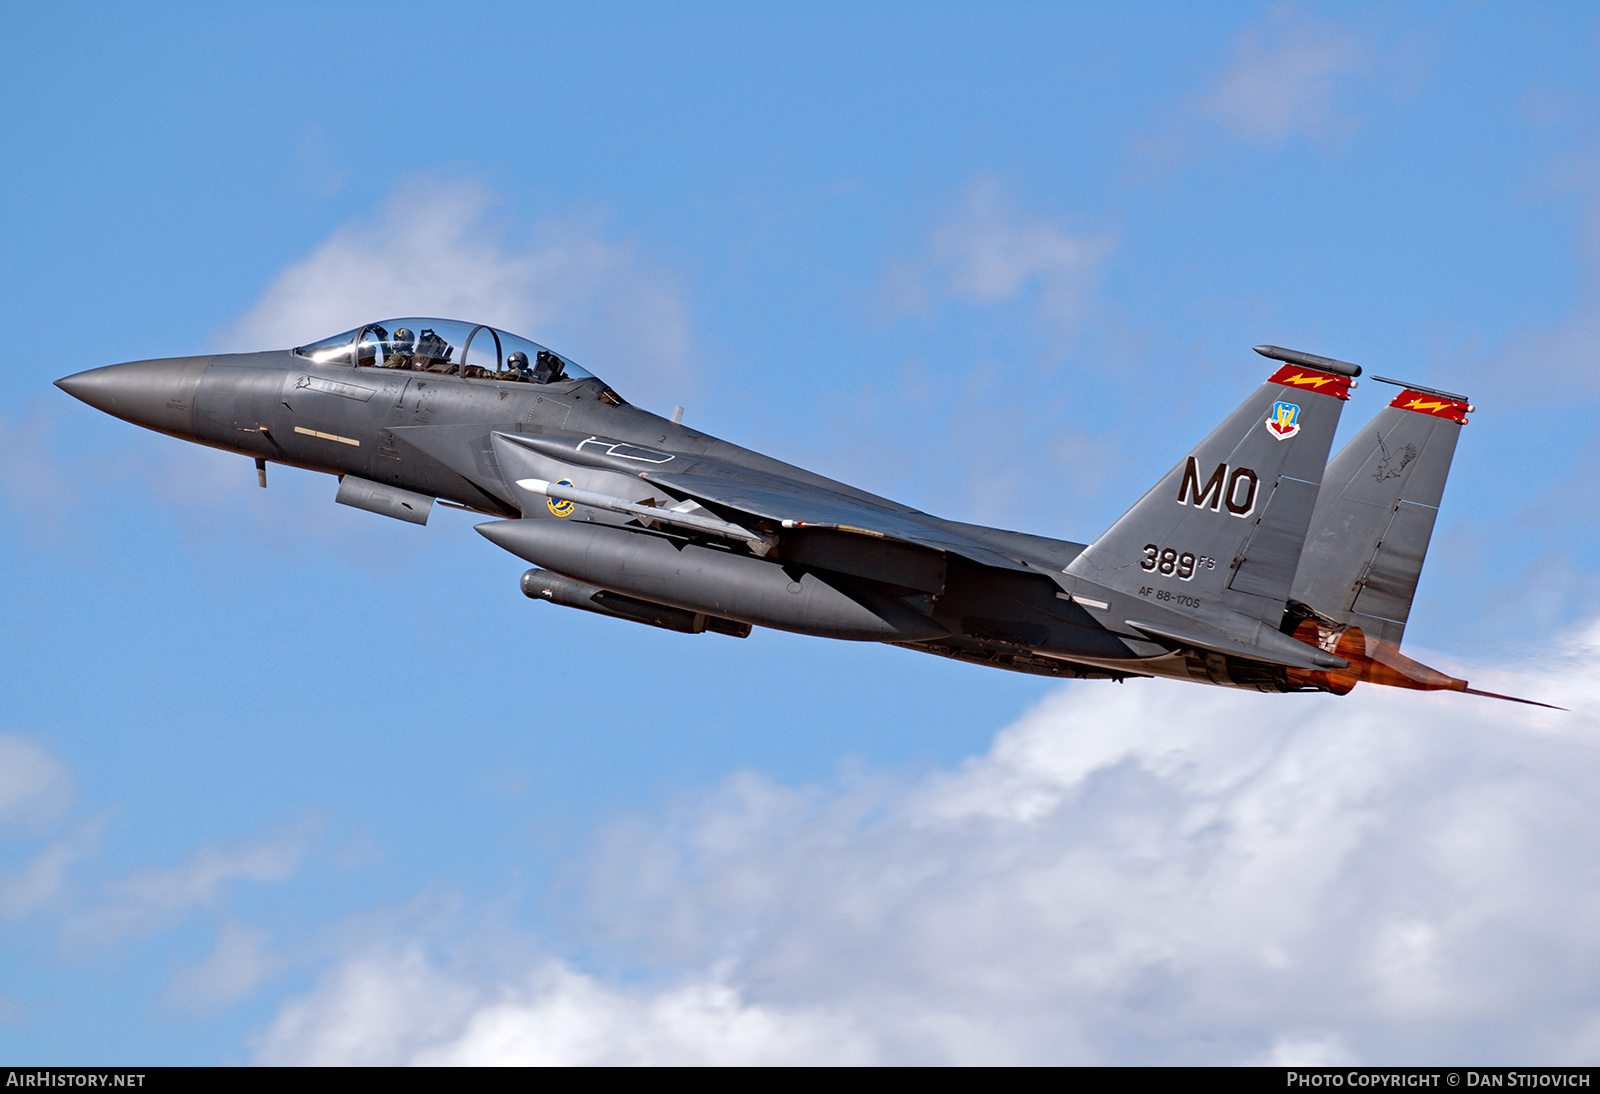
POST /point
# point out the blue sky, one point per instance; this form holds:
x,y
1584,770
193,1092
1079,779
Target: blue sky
x,y
285,781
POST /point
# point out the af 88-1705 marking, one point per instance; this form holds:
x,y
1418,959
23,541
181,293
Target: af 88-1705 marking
x,y
1167,596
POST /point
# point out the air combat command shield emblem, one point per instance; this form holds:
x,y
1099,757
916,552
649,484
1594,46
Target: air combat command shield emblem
x,y
1285,420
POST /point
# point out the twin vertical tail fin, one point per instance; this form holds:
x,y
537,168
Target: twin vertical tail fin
x,y
1215,544
1375,516
1255,546
1363,555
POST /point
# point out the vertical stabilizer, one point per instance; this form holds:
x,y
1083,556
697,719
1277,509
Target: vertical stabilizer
x,y
1220,535
1374,519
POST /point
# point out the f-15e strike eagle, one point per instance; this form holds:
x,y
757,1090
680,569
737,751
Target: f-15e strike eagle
x,y
1254,563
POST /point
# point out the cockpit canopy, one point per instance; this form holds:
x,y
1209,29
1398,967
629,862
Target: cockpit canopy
x,y
445,346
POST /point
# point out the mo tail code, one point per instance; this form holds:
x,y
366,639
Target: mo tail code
x,y
1237,488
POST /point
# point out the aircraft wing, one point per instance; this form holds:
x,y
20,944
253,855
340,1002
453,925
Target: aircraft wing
x,y
745,494
753,494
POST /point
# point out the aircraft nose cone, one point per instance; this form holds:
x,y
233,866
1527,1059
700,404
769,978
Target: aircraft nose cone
x,y
155,394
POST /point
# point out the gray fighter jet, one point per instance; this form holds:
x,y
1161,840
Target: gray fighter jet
x,y
1254,563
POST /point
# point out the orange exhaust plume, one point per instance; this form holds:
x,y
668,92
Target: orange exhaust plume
x,y
1375,661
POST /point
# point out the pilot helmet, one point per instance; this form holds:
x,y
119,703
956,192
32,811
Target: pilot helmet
x,y
518,361
403,338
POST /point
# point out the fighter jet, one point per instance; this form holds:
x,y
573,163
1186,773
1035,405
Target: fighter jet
x,y
1254,563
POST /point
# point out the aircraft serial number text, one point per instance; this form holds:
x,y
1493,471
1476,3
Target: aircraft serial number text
x,y
1166,594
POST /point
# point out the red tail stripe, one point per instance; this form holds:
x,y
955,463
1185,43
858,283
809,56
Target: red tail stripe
x,y
1437,405
1309,379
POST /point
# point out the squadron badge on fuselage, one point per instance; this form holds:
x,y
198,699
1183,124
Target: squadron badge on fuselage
x,y
558,507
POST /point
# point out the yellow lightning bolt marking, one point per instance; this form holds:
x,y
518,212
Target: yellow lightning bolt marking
x,y
1418,404
1314,381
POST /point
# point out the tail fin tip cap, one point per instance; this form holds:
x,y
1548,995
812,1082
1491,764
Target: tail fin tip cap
x,y
1426,390
1308,360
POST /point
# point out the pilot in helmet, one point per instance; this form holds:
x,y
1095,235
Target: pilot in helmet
x,y
517,365
401,347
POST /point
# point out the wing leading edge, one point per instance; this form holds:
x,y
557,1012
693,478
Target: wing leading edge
x,y
747,495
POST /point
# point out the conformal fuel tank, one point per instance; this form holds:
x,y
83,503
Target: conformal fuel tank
x,y
706,579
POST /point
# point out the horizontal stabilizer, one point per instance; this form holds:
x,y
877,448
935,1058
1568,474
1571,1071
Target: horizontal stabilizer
x,y
1277,648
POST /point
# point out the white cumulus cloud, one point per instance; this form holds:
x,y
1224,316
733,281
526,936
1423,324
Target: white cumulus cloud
x,y
239,961
33,484
990,250
154,897
437,249
1286,79
396,1006
1137,873
35,787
